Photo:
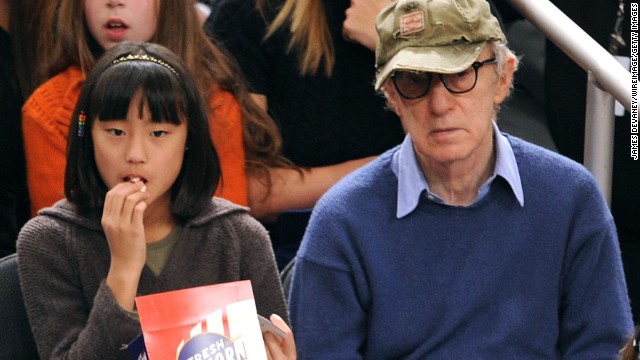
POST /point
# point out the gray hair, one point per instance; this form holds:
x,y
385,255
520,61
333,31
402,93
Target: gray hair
x,y
502,52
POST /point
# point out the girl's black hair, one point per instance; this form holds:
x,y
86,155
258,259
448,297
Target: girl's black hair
x,y
172,96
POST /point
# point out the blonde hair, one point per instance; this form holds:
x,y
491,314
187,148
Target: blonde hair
x,y
310,35
180,31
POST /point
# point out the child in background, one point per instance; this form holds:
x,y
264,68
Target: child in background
x,y
247,140
138,216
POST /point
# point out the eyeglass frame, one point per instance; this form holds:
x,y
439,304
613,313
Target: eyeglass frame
x,y
476,65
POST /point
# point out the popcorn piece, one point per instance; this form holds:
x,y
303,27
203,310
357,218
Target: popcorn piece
x,y
136,179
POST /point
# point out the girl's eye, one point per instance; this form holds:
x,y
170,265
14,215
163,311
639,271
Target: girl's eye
x,y
158,133
116,132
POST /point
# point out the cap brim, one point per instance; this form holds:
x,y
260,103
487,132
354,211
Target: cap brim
x,y
448,59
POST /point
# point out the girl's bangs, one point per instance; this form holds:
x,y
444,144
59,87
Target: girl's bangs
x,y
121,82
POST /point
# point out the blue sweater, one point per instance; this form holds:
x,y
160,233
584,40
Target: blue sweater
x,y
495,280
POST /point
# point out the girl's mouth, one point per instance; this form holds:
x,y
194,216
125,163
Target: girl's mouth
x,y
116,30
135,179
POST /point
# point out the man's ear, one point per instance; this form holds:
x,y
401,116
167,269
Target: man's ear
x,y
393,101
391,95
505,83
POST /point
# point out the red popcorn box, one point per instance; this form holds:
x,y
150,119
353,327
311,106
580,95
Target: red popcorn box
x,y
208,322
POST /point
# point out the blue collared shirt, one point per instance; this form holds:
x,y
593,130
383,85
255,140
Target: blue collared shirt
x,y
411,179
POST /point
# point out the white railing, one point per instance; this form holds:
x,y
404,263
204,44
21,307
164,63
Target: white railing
x,y
607,79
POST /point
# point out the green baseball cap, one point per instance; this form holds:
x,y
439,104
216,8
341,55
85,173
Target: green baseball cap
x,y
442,36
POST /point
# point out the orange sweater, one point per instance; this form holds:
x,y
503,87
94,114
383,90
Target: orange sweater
x,y
45,123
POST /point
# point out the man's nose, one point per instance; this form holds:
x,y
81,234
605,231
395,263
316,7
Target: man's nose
x,y
439,98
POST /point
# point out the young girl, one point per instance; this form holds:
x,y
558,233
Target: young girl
x,y
247,140
139,216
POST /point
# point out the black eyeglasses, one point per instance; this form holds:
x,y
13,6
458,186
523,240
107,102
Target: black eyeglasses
x,y
416,84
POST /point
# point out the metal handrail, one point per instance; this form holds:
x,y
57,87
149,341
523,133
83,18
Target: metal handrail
x,y
579,46
607,78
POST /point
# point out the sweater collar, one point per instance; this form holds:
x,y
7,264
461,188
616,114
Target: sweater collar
x,y
412,182
67,211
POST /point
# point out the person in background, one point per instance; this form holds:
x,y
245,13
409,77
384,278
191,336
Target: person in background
x,y
310,63
247,139
631,350
13,174
460,242
565,88
139,217
25,44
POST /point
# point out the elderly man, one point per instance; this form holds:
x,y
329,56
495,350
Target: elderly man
x,y
462,242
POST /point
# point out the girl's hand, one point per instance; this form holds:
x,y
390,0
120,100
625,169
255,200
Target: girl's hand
x,y
277,349
122,223
360,23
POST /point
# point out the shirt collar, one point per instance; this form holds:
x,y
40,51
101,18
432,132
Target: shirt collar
x,y
411,180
